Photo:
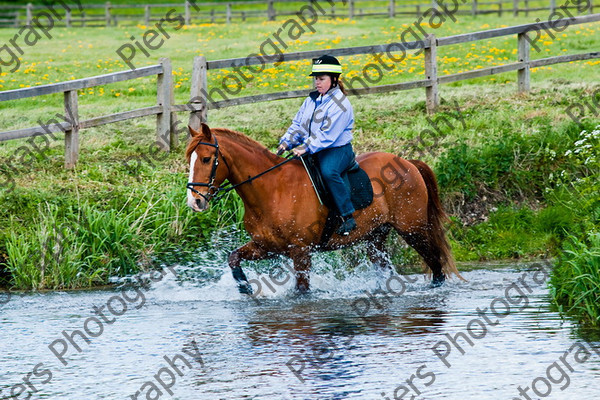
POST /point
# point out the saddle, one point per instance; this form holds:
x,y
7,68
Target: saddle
x,y
357,182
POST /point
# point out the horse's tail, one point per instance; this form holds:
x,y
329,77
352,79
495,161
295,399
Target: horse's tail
x,y
437,217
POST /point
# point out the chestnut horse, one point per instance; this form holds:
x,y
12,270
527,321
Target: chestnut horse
x,y
283,215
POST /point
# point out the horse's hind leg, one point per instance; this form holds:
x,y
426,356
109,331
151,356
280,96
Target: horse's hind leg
x,y
430,253
250,251
376,250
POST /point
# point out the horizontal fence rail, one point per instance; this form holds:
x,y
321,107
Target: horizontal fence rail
x,y
107,14
162,110
80,83
199,105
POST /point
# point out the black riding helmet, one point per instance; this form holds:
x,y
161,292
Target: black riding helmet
x,y
327,65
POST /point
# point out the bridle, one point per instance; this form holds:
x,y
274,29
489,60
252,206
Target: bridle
x,y
212,190
217,192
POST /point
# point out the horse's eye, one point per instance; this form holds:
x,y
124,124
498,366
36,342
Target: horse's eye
x,y
206,160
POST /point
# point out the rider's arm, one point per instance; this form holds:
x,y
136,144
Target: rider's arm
x,y
296,132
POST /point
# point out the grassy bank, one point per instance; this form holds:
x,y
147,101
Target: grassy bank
x,y
514,174
575,283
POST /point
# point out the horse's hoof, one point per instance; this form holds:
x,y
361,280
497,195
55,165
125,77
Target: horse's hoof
x,y
302,289
437,281
245,288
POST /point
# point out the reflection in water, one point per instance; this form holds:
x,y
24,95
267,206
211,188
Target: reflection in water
x,y
303,322
321,335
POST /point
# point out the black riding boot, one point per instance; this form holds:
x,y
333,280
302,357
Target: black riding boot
x,y
347,226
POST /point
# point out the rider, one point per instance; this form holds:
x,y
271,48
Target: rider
x,y
323,127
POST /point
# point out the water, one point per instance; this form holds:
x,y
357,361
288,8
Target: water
x,y
239,347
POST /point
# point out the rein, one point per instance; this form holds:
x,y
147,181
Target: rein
x,y
218,192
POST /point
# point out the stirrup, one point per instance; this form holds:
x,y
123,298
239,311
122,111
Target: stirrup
x,y
346,227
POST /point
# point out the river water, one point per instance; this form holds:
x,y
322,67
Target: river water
x,y
339,342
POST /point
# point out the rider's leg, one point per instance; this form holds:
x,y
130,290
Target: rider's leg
x,y
333,161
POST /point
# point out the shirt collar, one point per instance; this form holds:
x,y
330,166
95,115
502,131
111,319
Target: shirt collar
x,y
316,96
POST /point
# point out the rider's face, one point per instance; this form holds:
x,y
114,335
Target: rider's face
x,y
323,83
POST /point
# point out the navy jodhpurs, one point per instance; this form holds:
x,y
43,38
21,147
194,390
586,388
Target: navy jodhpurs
x,y
333,161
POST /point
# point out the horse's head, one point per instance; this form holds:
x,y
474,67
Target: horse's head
x,y
207,168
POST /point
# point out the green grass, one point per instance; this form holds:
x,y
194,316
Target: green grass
x,y
511,156
575,281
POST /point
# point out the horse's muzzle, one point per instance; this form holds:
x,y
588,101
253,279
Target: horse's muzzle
x,y
197,204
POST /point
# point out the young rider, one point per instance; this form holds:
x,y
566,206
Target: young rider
x,y
323,127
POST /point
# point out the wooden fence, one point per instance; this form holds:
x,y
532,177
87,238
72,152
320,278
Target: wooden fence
x,y
226,12
163,108
200,103
200,89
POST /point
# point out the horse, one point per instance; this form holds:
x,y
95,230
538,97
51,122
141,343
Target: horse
x,y
283,215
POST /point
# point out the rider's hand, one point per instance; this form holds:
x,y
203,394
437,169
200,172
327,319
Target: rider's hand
x,y
281,149
299,151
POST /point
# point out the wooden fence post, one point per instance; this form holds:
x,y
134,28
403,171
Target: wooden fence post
x,y
523,73
198,92
515,8
147,15
164,97
552,6
499,8
527,8
271,11
474,8
188,15
29,12
392,8
107,13
228,15
68,18
351,9
72,133
431,91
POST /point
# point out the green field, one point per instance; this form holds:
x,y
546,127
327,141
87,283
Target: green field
x,y
512,176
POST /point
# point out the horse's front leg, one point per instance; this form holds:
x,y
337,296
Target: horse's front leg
x,y
302,264
250,251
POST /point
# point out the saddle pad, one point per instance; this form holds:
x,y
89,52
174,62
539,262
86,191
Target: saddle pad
x,y
356,180
361,190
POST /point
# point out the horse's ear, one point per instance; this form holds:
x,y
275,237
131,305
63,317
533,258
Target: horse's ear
x,y
193,132
206,131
